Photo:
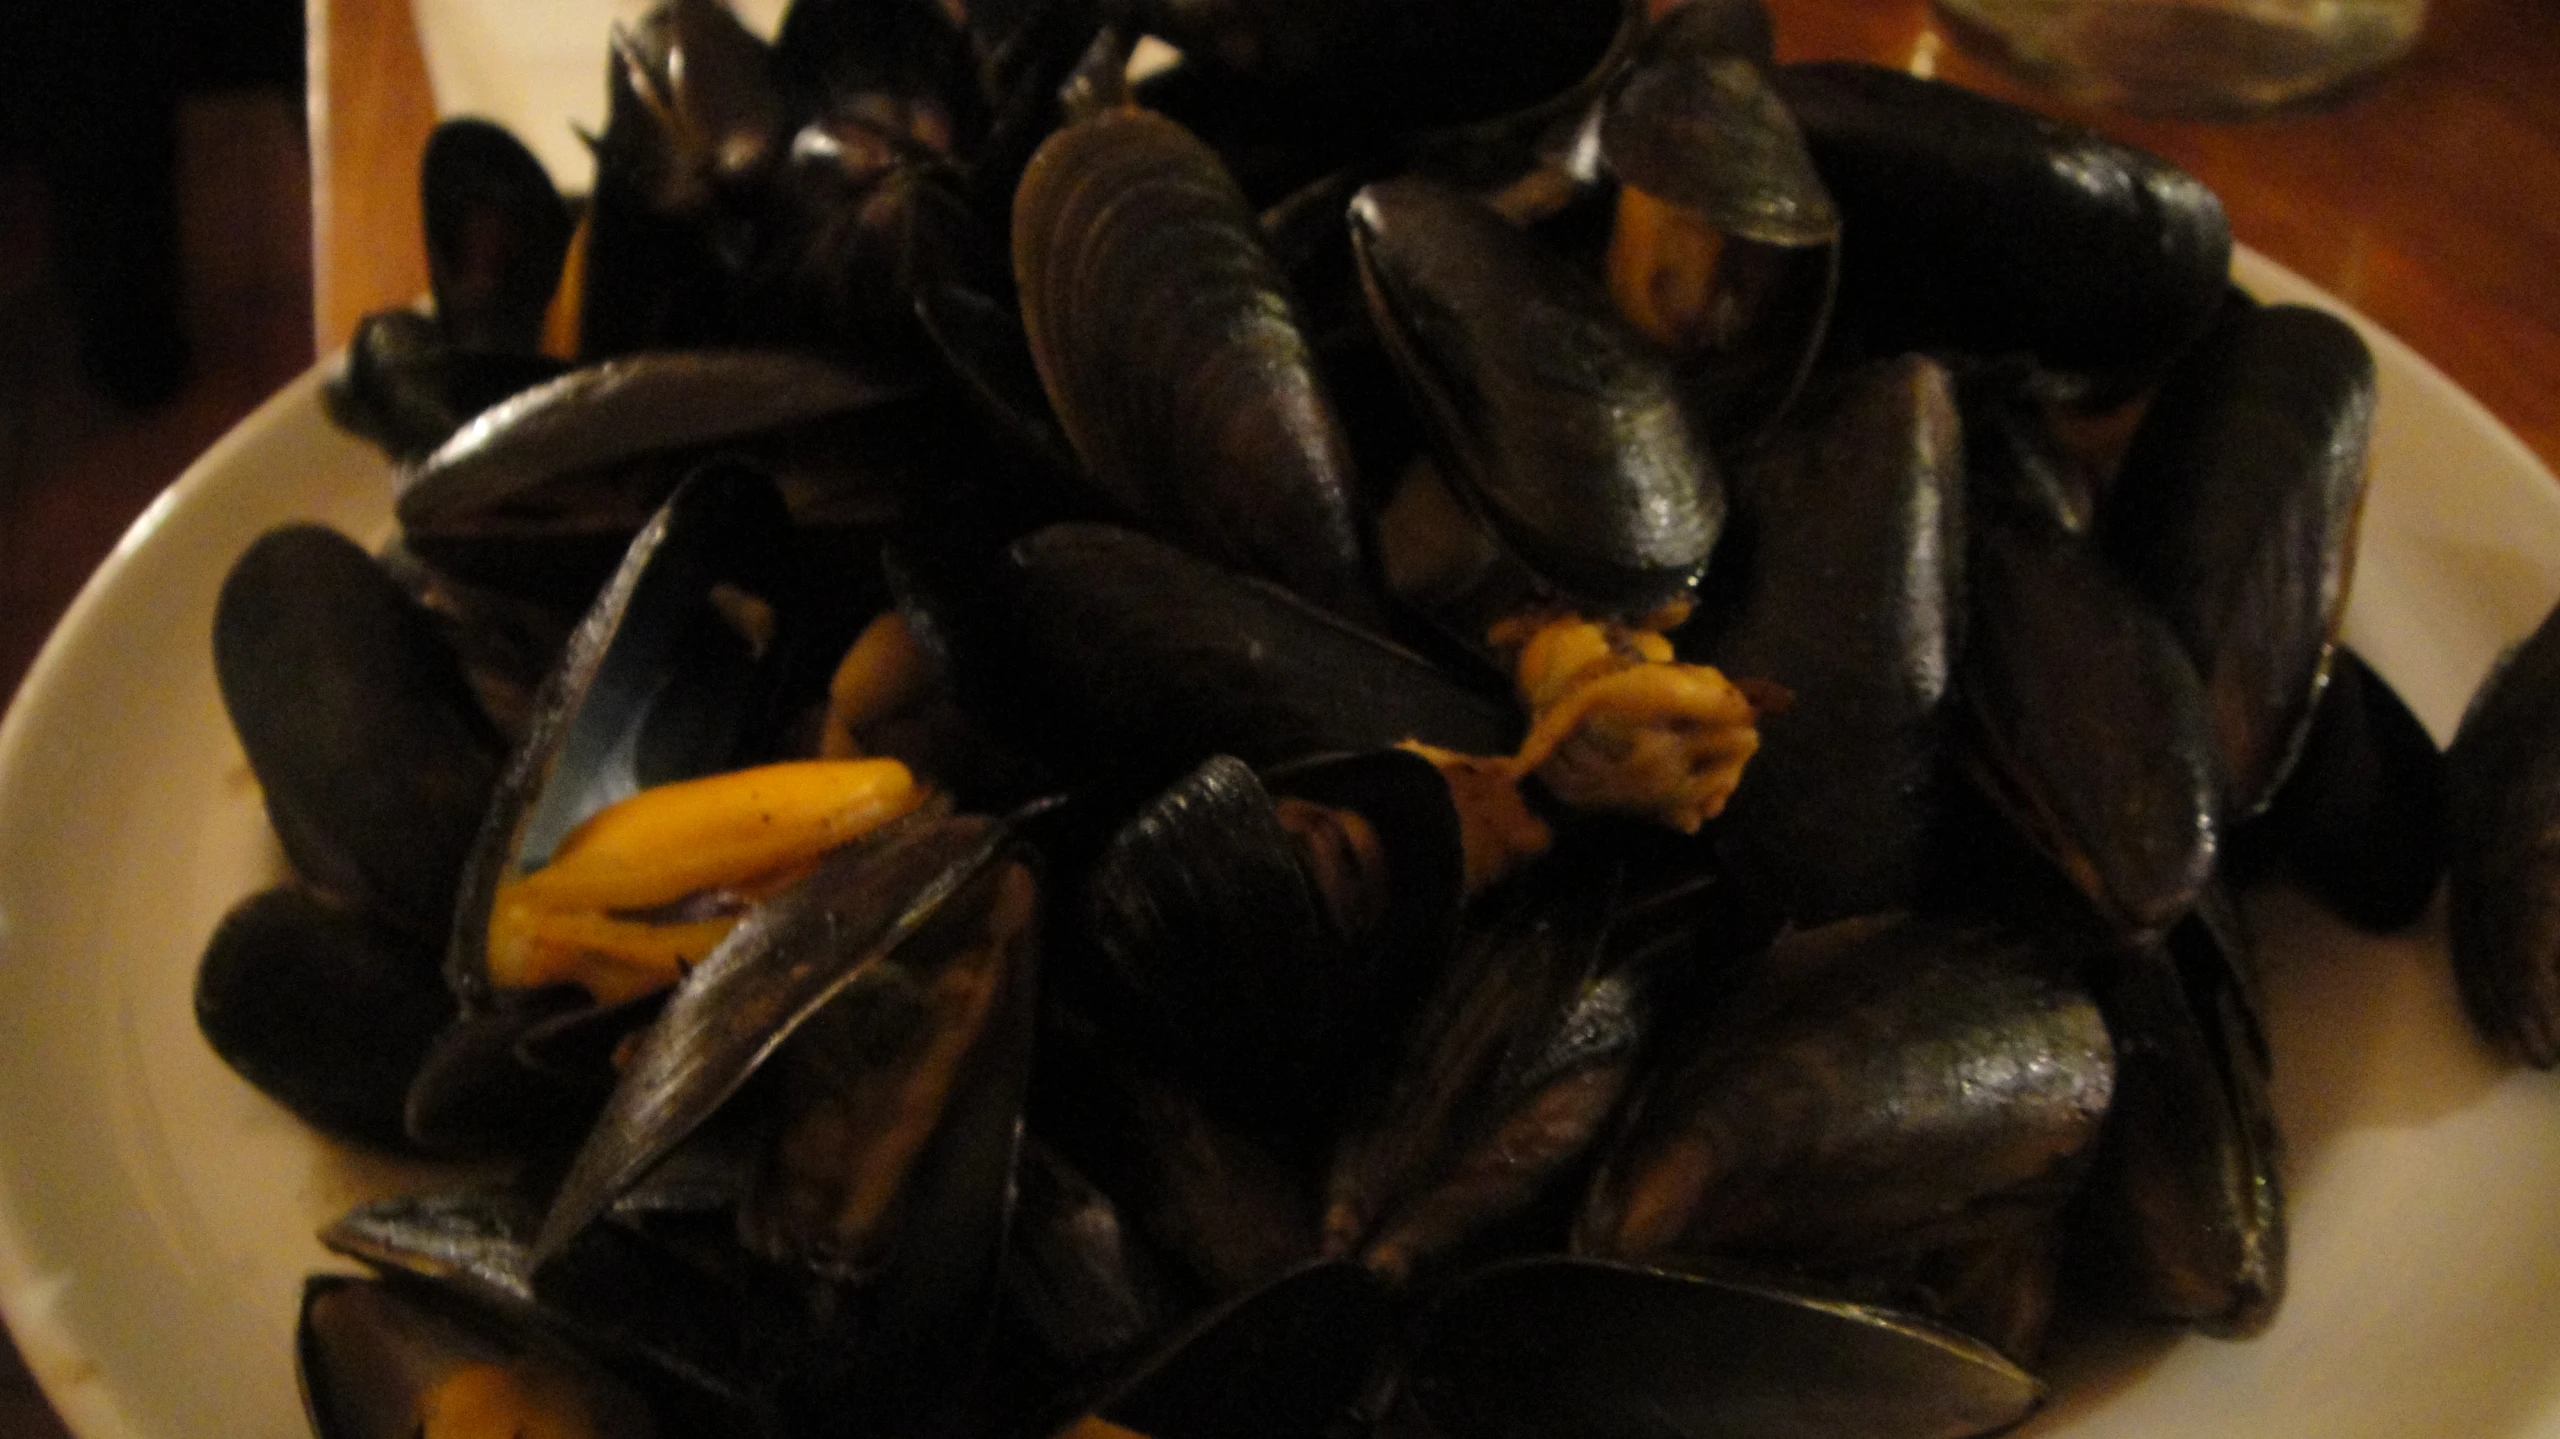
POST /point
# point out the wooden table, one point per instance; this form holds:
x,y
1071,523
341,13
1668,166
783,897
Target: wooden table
x,y
2430,200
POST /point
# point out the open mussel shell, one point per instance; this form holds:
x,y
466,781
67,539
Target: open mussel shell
x,y
1586,1349
1694,120
2503,887
883,1008
372,753
2063,660
671,1313
689,647
388,1361
1848,590
2236,510
323,1009
696,110
1137,657
1560,423
874,928
497,234
905,63
1172,352
1875,1081
1974,225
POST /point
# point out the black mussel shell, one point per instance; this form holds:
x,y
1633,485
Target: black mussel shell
x,y
500,465
476,1092
1694,120
1876,1085
497,233
1975,225
904,64
1509,1076
2360,820
2503,885
1205,911
695,111
1340,68
2183,1216
2017,466
373,755
1076,1277
842,936
1228,1210
406,387
2087,726
678,670
1581,1349
1285,1361
981,343
1559,422
2236,512
1848,578
375,1359
1172,351
321,1008
1110,651
616,1292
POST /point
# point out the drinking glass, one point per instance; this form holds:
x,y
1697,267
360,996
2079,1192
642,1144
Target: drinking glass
x,y
2190,57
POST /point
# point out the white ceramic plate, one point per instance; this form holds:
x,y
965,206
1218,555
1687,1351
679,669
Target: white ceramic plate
x,y
155,1213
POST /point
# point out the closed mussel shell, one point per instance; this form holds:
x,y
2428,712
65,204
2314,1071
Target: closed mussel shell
x,y
1258,934
1974,225
373,756
2063,661
2360,819
1561,424
1561,1348
403,385
1875,1081
1136,656
563,458
2184,1216
2503,888
1172,352
1507,1078
2236,512
1849,577
324,1010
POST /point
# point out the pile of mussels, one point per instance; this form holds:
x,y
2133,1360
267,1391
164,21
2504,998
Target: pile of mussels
x,y
1453,720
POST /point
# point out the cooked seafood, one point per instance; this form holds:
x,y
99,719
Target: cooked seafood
x,y
1376,998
